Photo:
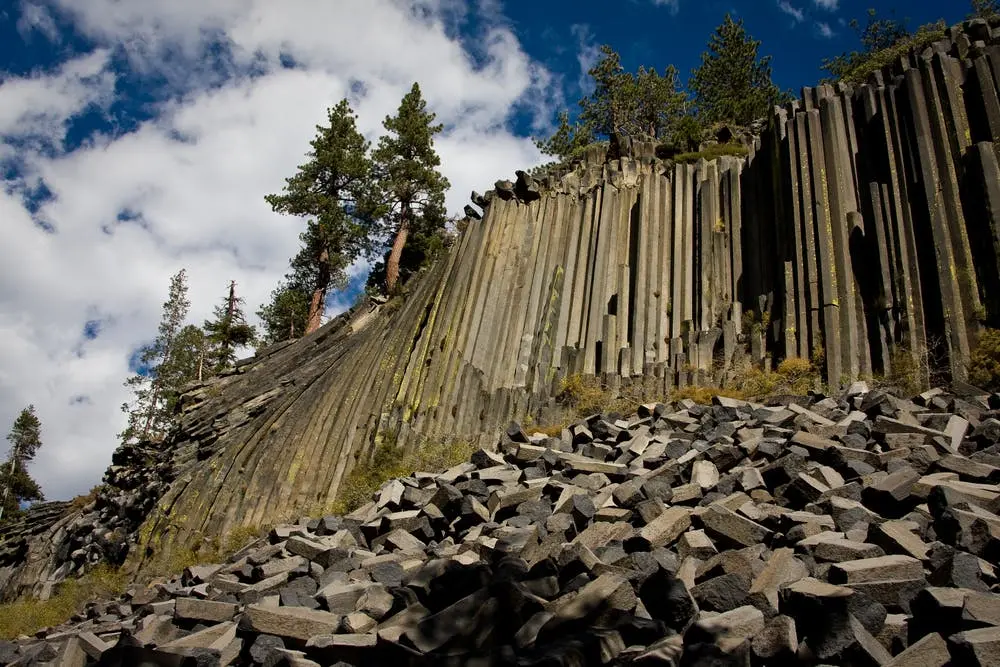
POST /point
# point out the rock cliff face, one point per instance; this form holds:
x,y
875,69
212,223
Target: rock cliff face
x,y
863,223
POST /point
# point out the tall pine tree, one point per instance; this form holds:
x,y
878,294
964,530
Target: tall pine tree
x,y
159,375
228,331
733,84
331,189
411,189
25,438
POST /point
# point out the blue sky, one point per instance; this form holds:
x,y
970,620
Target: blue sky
x,y
138,137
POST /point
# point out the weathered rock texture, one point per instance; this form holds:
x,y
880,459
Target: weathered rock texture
x,y
860,530
862,223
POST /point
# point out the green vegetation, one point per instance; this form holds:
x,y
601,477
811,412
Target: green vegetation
x,y
386,203
164,367
227,332
983,9
333,189
712,152
643,104
388,463
883,41
25,438
586,395
410,188
26,616
794,376
733,83
704,395
81,501
286,315
984,362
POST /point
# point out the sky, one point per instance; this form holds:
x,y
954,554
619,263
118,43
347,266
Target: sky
x,y
138,137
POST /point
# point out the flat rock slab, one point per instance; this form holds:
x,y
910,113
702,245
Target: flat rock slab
x,y
292,622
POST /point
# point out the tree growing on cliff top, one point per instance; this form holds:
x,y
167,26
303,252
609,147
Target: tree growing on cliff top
x,y
883,40
158,370
644,104
410,187
984,9
733,83
25,438
285,316
228,331
332,189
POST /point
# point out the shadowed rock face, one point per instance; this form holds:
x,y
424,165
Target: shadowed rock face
x,y
862,221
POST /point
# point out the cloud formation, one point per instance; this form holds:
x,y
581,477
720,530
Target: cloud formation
x,y
797,14
673,5
242,85
824,30
828,5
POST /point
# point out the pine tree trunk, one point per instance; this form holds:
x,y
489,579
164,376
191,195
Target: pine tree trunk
x,y
392,265
317,306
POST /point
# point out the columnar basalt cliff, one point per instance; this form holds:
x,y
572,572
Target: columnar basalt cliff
x,y
862,224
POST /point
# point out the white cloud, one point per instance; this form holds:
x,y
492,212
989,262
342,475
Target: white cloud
x,y
824,30
674,5
797,14
38,106
195,176
36,17
587,54
828,5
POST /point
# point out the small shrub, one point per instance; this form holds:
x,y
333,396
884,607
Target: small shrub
x,y
388,463
26,616
239,537
793,376
82,501
984,362
704,395
584,394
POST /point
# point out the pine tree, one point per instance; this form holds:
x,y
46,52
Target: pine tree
x,y
225,333
644,105
567,140
984,9
25,438
411,187
876,35
332,188
157,377
285,316
732,84
609,108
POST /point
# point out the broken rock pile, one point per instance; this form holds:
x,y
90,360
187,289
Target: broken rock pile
x,y
859,530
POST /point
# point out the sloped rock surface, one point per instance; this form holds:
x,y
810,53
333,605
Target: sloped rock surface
x,y
818,535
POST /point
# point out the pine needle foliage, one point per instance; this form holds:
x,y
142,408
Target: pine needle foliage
x,y
163,367
883,41
227,332
733,82
410,187
643,105
17,486
332,189
285,315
